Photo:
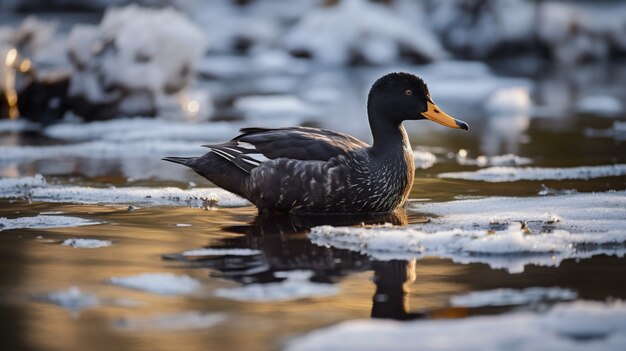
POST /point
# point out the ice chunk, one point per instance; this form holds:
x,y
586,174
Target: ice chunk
x,y
72,299
513,174
86,243
600,105
41,221
222,252
175,321
39,190
297,285
617,132
159,283
504,297
576,326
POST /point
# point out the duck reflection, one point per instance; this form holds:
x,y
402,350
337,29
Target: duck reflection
x,y
282,245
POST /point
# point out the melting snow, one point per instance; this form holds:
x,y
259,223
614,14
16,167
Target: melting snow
x,y
512,174
177,321
36,188
505,297
423,159
601,326
86,243
490,231
159,283
222,252
43,221
601,105
617,132
483,161
72,299
297,285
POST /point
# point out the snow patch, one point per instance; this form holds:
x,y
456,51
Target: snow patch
x,y
513,174
72,299
297,285
175,321
36,188
423,159
86,243
617,132
483,161
580,325
600,105
222,252
507,297
503,232
42,221
159,283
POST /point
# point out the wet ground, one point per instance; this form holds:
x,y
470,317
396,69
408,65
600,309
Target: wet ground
x,y
323,285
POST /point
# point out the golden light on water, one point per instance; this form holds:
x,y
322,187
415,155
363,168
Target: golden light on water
x,y
25,65
10,57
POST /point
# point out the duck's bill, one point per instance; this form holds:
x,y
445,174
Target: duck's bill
x,y
435,114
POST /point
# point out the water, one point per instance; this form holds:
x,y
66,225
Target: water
x,y
150,239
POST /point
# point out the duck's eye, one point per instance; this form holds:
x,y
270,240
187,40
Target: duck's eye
x,y
408,92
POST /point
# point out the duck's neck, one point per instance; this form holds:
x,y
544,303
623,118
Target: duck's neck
x,y
388,136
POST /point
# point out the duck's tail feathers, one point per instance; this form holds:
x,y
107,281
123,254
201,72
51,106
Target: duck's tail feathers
x,y
180,160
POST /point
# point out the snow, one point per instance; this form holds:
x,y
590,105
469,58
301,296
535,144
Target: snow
x,y
423,159
20,125
41,222
490,231
274,104
508,100
86,243
617,132
297,285
498,160
600,105
172,322
72,299
507,297
36,188
159,283
134,129
353,29
132,61
222,252
513,174
580,325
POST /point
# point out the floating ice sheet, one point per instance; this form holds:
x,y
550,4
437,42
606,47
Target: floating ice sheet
x,y
490,231
513,174
297,285
36,188
43,221
505,297
176,321
159,283
86,243
580,325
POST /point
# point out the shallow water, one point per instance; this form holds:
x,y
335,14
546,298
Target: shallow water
x,y
338,284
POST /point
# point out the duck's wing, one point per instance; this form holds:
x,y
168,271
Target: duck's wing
x,y
256,145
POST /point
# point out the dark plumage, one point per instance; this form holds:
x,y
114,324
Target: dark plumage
x,y
309,170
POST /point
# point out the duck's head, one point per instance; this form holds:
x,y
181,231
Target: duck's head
x,y
401,96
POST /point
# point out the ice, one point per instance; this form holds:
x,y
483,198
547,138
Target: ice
x,y
600,105
506,297
580,325
20,125
498,160
159,283
134,129
513,174
297,285
86,243
503,232
359,29
423,159
37,189
172,322
222,252
72,299
617,132
41,221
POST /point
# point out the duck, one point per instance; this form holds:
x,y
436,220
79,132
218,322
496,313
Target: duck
x,y
304,170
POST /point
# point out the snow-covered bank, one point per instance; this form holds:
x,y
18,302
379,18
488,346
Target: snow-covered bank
x,y
37,189
43,221
513,174
503,232
580,325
